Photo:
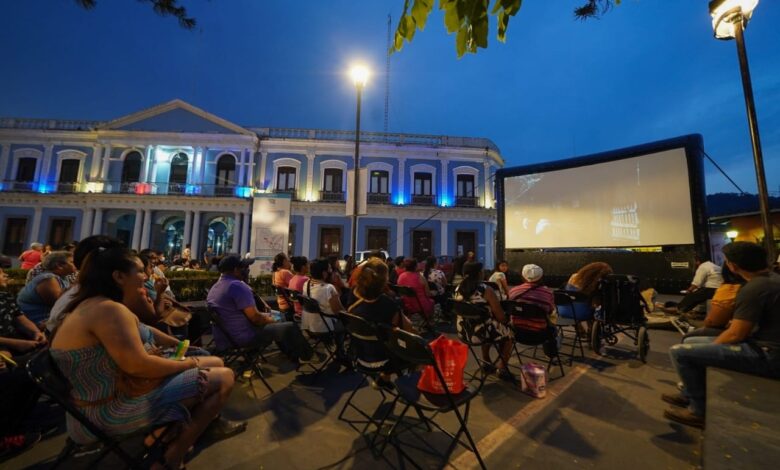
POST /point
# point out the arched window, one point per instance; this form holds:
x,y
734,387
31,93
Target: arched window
x,y
131,168
25,170
226,170
177,180
285,179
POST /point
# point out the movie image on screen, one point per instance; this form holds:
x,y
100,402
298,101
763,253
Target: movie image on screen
x,y
632,202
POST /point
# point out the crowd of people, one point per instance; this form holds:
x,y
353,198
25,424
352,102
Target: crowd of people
x,y
111,324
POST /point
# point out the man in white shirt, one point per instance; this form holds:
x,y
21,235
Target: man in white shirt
x,y
705,282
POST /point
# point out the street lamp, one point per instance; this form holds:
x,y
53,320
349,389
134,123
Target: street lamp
x,y
729,19
732,235
359,74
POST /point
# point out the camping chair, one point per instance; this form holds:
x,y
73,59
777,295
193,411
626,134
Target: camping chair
x,y
570,305
327,338
533,329
247,357
471,318
43,371
362,332
415,350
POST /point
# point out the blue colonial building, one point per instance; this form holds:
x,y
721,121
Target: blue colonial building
x,y
174,175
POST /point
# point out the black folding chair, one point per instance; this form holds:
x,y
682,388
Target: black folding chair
x,y
471,319
568,320
326,339
415,350
533,329
409,293
239,358
43,371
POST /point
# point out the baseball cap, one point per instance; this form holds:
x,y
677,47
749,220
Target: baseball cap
x,y
231,261
532,272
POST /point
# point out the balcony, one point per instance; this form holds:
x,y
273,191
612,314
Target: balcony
x,y
19,186
379,198
292,192
466,201
129,188
224,190
423,199
67,188
331,196
176,188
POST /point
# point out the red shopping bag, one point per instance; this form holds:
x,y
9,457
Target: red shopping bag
x,y
451,356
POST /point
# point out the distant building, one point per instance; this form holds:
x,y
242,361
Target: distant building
x,y
748,228
174,175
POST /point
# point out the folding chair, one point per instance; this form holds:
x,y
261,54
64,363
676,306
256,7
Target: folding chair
x,y
43,371
415,350
327,339
569,306
471,318
361,334
288,295
533,329
247,358
408,292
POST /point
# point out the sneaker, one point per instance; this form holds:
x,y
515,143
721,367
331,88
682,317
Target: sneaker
x,y
677,400
684,417
13,445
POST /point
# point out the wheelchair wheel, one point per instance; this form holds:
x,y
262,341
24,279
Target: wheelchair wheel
x,y
595,337
643,340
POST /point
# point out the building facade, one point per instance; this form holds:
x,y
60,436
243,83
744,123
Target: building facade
x,y
174,175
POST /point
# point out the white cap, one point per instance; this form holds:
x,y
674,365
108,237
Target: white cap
x,y
532,272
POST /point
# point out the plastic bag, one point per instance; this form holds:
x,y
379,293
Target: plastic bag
x,y
533,380
451,356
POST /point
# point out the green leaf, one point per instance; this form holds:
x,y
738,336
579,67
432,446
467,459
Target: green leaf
x,y
480,33
452,20
460,42
420,12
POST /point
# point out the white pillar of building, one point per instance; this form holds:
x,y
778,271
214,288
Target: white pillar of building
x,y
236,246
202,171
401,176
191,166
247,233
106,162
399,237
196,158
86,222
250,174
145,165
146,231
263,161
445,236
195,240
242,157
304,250
152,175
36,227
47,161
4,158
97,222
137,225
187,228
309,192
488,190
444,183
94,169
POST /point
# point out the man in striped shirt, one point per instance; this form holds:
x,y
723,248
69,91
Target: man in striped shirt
x,y
532,290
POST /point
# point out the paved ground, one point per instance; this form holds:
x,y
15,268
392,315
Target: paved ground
x,y
605,413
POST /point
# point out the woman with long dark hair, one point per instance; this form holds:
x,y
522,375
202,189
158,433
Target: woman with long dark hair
x,y
117,384
281,278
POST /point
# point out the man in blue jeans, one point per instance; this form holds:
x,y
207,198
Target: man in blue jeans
x,y
234,302
750,344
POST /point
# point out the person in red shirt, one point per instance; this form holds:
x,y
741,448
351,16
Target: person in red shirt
x,y
32,256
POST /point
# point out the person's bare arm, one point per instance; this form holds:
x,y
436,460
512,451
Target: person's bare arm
x,y
425,286
118,333
162,339
335,303
720,315
495,305
737,332
49,290
257,318
19,345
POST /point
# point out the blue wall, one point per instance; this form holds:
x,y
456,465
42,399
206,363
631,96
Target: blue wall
x,y
301,177
365,223
177,120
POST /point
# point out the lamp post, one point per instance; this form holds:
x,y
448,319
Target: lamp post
x,y
359,76
732,235
729,19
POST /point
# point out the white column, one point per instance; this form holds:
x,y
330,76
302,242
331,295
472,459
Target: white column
x,y
36,227
191,167
97,222
145,167
195,249
187,229
250,174
202,171
94,169
247,233
147,230
399,238
46,164
263,161
488,190
445,236
241,168
196,157
86,223
4,159
106,162
309,191
401,175
444,179
304,250
136,242
236,233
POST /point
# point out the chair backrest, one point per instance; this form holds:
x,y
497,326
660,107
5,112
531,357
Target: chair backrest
x,y
216,322
309,305
404,291
409,347
471,312
530,321
358,327
574,305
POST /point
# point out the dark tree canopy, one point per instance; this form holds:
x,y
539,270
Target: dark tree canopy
x,y
161,7
469,19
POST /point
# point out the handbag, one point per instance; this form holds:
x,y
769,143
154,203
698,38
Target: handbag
x,y
451,356
176,315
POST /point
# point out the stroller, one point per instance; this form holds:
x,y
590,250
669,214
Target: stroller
x,y
622,311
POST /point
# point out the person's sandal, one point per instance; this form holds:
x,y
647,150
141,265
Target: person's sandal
x,y
221,428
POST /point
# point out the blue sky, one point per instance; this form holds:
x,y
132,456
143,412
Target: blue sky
x,y
559,87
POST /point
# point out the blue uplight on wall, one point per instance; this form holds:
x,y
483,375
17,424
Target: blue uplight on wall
x,y
44,188
192,189
445,201
399,200
243,191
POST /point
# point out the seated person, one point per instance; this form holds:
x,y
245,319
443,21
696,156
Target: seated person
x,y
499,277
372,304
319,289
411,278
32,257
171,316
98,333
281,278
587,281
233,300
705,282
533,291
300,265
721,309
39,295
750,344
473,290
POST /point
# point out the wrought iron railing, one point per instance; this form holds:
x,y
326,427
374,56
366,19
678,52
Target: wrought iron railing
x,y
331,196
423,199
466,201
378,198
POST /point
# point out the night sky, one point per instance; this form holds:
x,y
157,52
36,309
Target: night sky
x,y
648,70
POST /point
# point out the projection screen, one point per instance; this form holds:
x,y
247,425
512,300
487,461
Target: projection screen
x,y
633,202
